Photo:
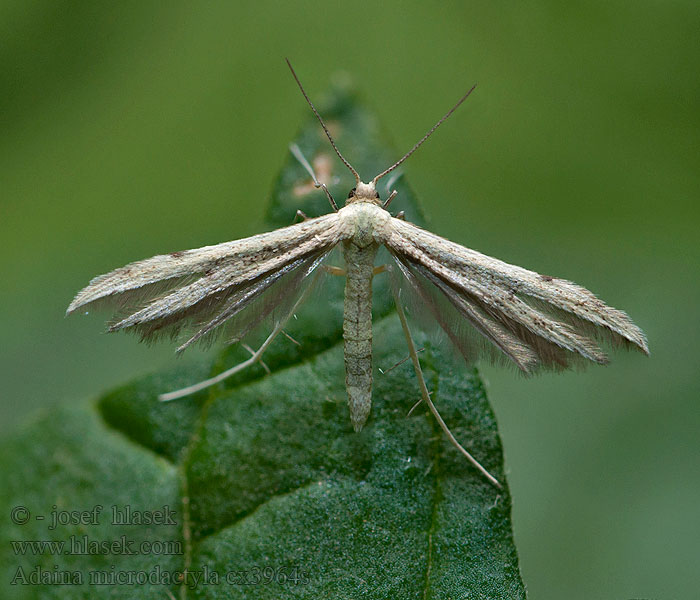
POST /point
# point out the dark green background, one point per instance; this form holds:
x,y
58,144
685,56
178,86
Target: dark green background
x,y
134,128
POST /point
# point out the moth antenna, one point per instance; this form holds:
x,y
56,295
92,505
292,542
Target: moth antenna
x,y
320,120
425,137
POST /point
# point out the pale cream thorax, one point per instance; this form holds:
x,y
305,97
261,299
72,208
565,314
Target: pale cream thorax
x,y
363,217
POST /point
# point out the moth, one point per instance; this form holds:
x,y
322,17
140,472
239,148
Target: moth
x,y
530,320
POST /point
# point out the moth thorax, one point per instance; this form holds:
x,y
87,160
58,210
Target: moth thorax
x,y
364,192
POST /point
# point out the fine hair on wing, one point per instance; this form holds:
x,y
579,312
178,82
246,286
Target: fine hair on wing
x,y
435,316
234,313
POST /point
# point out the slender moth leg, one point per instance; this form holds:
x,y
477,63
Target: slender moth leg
x,y
300,214
256,356
290,338
398,364
414,407
262,362
389,199
296,151
377,271
426,395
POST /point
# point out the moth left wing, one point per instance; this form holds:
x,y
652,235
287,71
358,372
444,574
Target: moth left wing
x,y
199,290
534,320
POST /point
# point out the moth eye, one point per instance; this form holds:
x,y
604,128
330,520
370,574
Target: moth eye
x,y
376,195
352,193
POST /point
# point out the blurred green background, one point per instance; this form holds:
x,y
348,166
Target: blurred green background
x,y
135,128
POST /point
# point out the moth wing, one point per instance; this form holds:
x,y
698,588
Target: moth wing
x,y
534,320
192,294
142,280
471,334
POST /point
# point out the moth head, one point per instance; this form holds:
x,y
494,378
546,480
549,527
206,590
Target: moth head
x,y
364,192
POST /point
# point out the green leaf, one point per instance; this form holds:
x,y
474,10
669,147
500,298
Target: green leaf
x,y
273,492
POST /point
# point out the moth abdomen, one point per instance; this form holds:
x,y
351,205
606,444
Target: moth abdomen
x,y
357,330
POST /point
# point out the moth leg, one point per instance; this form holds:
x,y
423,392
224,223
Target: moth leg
x,y
339,271
426,394
300,214
414,407
290,338
262,362
398,364
257,354
389,184
255,357
389,199
298,154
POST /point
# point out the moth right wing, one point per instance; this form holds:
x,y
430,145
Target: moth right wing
x,y
197,291
535,321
